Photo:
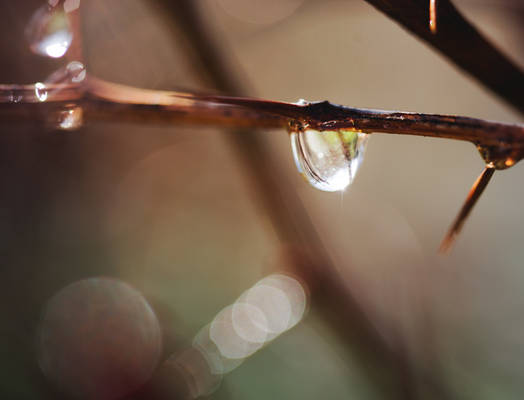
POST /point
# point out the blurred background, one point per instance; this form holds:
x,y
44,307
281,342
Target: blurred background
x,y
121,242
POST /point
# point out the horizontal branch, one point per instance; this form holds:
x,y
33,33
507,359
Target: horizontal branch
x,y
501,144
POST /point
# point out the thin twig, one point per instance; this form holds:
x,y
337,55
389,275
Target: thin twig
x,y
109,100
473,195
433,16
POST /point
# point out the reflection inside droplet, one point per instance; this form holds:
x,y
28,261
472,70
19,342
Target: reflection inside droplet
x,y
99,339
329,160
48,32
40,91
69,118
76,71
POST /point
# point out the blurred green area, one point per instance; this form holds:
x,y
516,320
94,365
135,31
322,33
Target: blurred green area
x,y
169,209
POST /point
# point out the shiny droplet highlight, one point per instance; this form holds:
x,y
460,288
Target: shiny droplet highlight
x,y
48,32
41,91
70,118
329,160
76,71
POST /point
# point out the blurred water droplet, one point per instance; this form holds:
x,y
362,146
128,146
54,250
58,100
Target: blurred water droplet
x,y
329,160
70,118
66,78
274,306
48,32
295,293
62,78
41,91
15,97
98,339
224,334
76,71
218,364
249,322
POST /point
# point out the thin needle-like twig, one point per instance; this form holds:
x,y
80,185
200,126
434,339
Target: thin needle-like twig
x,y
433,16
473,195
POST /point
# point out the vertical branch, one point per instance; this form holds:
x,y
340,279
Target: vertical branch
x,y
291,221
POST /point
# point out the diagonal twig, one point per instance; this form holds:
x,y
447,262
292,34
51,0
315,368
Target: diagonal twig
x,y
473,195
461,43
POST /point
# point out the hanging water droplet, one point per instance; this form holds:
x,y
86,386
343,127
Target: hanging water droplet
x,y
41,91
69,118
502,156
48,32
329,160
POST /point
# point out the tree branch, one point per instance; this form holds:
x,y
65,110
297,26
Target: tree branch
x,y
501,144
461,43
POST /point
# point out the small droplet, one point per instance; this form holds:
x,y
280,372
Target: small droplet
x,y
329,160
15,97
48,32
63,78
40,91
302,102
76,71
502,156
68,119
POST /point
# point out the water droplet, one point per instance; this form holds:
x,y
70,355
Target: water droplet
x,y
98,338
329,160
302,102
48,32
502,156
15,97
40,91
70,118
62,79
76,71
